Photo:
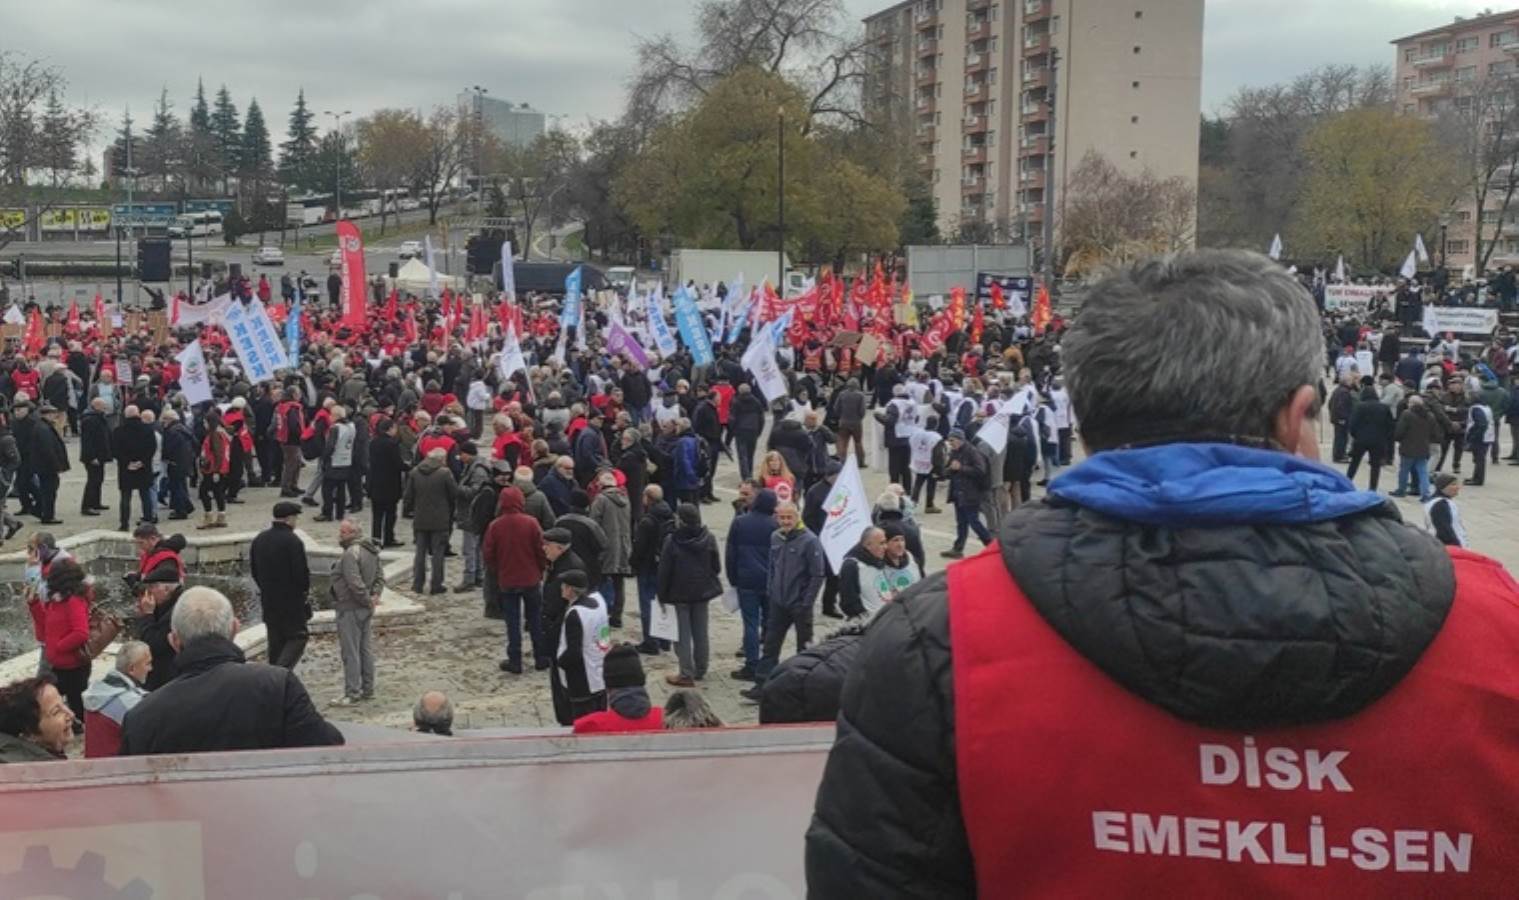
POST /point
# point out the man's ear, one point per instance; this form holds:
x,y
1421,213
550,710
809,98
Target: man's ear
x,y
174,642
1295,427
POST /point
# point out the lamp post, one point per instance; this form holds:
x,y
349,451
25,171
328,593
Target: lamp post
x,y
780,193
477,112
337,128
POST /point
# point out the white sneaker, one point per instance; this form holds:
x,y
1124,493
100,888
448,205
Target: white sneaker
x,y
344,701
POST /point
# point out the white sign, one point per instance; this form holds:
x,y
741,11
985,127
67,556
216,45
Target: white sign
x,y
994,433
258,345
1459,319
510,361
1353,298
194,380
14,316
848,511
1365,363
759,360
123,371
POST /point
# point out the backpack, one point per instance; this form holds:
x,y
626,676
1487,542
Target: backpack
x,y
313,442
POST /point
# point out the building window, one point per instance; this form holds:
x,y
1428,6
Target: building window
x,y
1467,45
1466,73
1409,54
1408,109
1462,215
1502,38
991,139
1505,67
1457,246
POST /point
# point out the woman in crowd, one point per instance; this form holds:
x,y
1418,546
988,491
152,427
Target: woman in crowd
x,y
777,476
61,621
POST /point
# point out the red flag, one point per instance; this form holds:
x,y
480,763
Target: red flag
x,y
411,329
957,307
355,287
998,300
36,334
73,315
390,306
99,308
977,323
477,326
1041,317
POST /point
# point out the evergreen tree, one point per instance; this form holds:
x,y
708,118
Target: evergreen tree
x,y
255,159
298,151
200,144
920,220
126,150
60,150
161,149
228,132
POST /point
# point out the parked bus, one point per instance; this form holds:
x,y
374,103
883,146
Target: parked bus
x,y
196,224
310,210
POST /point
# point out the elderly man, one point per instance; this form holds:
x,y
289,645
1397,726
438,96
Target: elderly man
x,y
277,562
797,571
433,714
94,452
35,722
1201,620
219,700
108,700
134,445
356,585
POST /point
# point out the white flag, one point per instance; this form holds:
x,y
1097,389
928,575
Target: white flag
x,y
14,316
1410,265
1419,249
1276,247
432,270
508,271
1339,270
511,359
194,380
848,512
759,360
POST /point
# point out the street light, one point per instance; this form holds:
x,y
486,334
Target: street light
x,y
337,128
478,114
780,193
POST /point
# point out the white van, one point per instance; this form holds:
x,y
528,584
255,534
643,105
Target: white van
x,y
196,224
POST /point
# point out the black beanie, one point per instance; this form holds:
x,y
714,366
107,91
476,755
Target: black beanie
x,y
622,668
579,499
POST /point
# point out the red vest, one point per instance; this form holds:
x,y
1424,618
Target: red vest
x,y
1071,786
151,561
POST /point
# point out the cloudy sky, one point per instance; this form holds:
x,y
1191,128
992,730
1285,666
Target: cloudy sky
x,y
565,57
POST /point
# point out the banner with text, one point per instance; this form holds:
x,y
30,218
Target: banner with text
x,y
692,329
355,287
1459,319
1354,298
255,340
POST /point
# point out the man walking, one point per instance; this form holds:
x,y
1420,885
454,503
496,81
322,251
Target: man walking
x,y
134,445
796,575
277,562
356,586
969,476
746,559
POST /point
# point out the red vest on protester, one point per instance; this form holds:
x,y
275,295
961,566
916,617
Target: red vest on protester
x,y
1071,786
151,561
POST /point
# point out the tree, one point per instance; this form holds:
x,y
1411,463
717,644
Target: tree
x,y
392,151
299,147
448,134
161,147
1480,130
920,220
610,231
228,132
126,150
24,86
255,161
530,179
199,150
1112,217
1374,179
60,135
334,163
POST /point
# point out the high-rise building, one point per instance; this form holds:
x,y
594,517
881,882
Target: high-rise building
x,y
516,124
970,83
1466,67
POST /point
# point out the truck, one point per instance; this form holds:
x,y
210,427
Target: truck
x,y
711,266
935,270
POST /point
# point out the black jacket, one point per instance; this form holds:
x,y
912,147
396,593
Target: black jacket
x,y
55,388
790,440
657,523
179,449
807,686
1372,422
385,469
554,606
636,390
134,442
153,630
588,540
746,415
219,701
1117,592
277,562
689,566
45,453
94,437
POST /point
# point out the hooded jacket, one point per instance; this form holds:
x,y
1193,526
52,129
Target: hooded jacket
x,y
356,576
476,477
747,551
612,511
431,493
106,704
513,545
689,567
658,523
535,503
1232,587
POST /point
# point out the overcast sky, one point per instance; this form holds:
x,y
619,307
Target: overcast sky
x,y
565,57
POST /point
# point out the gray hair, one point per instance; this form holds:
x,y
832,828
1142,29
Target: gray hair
x,y
130,654
686,708
1189,345
890,501
202,612
434,712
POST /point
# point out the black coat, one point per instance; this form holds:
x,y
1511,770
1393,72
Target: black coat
x,y
94,437
636,390
134,441
55,388
689,566
791,441
656,524
1372,424
633,463
807,687
746,415
219,701
386,470
45,453
179,449
277,562
971,480
153,630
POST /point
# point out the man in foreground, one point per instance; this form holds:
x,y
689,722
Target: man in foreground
x,y
219,700
1203,646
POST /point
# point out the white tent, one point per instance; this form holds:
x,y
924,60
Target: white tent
x,y
414,277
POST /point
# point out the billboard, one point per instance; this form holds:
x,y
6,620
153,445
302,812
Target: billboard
x,y
676,814
140,214
76,218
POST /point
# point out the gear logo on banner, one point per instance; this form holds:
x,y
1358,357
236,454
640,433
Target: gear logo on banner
x,y
39,877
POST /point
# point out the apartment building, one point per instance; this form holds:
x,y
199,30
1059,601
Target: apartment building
x,y
971,84
1442,69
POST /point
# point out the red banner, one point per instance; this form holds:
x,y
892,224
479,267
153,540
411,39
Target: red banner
x,y
355,285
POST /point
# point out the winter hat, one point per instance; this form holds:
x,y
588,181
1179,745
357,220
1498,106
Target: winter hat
x,y
956,434
688,514
560,536
621,668
575,579
893,529
580,500
1443,481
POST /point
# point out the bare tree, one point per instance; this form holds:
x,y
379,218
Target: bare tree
x,y
393,151
1481,130
448,136
1112,217
529,180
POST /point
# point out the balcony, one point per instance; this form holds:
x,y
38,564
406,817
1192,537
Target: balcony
x,y
977,5
925,18
925,103
974,156
975,124
971,180
1036,10
1035,44
925,134
928,46
1430,88
1512,47
977,30
1034,112
1034,212
975,92
976,62
926,77
1034,145
1433,60
1031,178
1033,79
926,161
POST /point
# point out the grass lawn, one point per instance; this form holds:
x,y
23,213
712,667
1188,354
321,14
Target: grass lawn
x,y
574,244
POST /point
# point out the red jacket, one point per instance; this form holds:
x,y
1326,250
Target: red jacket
x,y
513,544
608,722
62,627
1410,796
216,454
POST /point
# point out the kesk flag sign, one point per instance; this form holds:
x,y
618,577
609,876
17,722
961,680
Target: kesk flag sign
x,y
620,341
255,340
511,359
293,325
759,360
663,339
194,380
692,330
570,315
355,287
848,515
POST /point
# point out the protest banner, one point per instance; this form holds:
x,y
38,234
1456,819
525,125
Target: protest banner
x,y
508,272
1459,320
692,329
569,316
355,287
620,341
759,360
663,339
511,360
194,380
848,510
1354,298
254,340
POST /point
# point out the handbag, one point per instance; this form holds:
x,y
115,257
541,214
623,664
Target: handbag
x,y
104,627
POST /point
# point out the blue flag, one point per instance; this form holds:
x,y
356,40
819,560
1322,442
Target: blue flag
x,y
692,329
570,315
293,325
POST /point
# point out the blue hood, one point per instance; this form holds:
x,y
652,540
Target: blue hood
x,y
1200,485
